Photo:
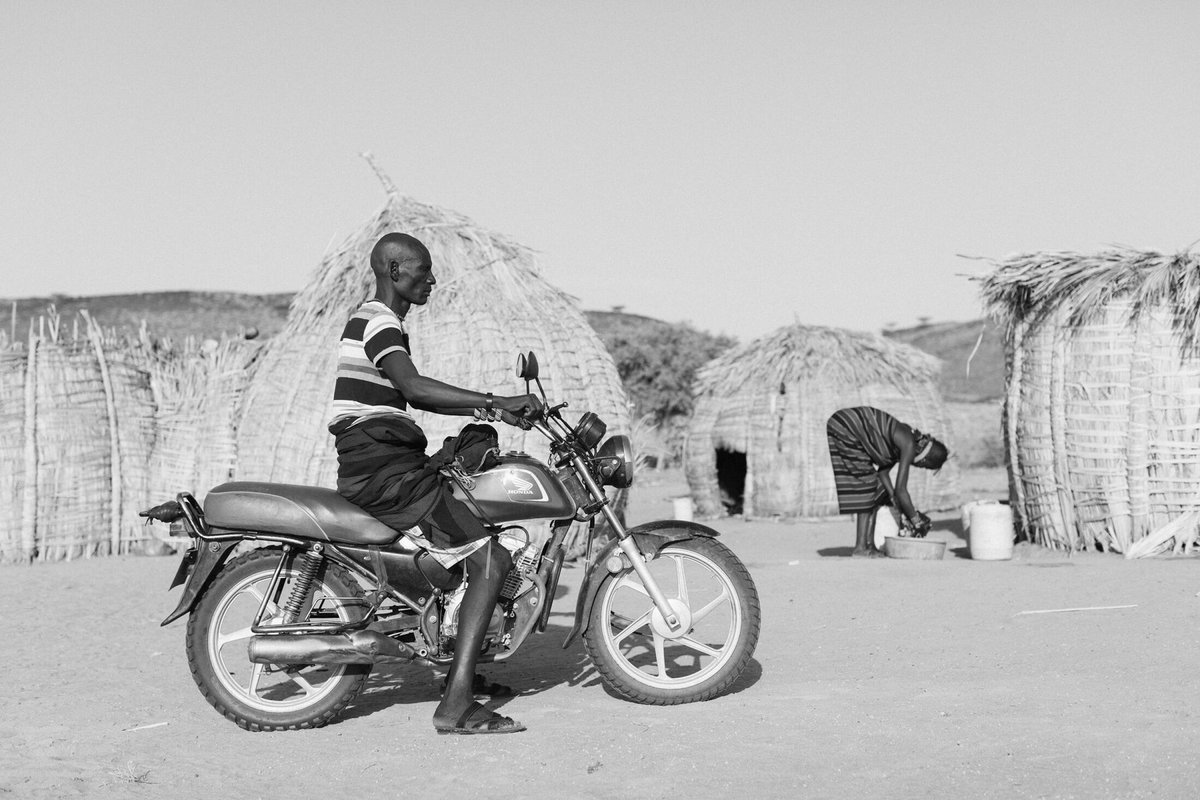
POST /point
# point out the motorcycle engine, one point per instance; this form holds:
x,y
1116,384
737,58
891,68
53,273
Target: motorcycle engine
x,y
525,554
453,602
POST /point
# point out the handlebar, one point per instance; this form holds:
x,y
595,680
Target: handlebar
x,y
523,423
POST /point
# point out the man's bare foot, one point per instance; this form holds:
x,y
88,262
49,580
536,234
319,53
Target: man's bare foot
x,y
870,552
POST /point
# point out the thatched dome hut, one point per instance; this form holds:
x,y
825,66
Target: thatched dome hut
x,y
490,304
1102,408
756,441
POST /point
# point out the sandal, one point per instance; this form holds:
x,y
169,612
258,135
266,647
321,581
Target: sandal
x,y
481,686
477,719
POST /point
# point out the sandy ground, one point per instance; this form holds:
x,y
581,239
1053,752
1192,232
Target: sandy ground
x,y
872,678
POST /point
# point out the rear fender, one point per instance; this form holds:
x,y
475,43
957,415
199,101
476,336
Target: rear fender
x,y
651,538
209,556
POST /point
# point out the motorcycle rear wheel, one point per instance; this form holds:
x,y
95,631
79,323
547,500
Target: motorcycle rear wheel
x,y
641,659
272,697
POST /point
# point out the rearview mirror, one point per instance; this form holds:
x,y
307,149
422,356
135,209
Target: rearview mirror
x,y
527,366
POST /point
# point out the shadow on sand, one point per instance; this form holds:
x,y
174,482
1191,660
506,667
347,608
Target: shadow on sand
x,y
540,664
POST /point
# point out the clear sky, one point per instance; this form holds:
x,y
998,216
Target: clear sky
x,y
739,165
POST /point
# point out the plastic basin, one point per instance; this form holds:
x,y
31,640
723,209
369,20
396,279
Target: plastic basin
x,y
907,547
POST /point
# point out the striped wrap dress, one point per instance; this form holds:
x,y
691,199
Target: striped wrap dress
x,y
860,447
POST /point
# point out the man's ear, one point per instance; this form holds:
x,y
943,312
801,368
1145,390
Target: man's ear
x,y
395,267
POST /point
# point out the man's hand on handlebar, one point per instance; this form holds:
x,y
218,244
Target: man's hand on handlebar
x,y
516,410
521,405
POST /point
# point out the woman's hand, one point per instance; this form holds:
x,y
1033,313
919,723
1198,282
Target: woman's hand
x,y
920,524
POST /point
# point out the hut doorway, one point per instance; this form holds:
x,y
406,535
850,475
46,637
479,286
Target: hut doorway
x,y
731,479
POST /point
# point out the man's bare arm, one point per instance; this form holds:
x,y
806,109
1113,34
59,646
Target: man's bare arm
x,y
430,394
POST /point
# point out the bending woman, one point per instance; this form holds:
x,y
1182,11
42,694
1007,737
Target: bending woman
x,y
864,444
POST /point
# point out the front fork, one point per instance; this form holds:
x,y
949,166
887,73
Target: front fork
x,y
629,547
649,538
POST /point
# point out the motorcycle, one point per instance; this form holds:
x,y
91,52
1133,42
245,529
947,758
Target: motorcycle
x,y
284,635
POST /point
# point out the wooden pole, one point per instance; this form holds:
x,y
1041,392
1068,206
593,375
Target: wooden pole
x,y
1064,516
29,494
1011,418
113,436
1137,449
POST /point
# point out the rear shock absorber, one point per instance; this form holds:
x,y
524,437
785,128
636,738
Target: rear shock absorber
x,y
310,562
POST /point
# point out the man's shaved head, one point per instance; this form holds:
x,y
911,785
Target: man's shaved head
x,y
396,247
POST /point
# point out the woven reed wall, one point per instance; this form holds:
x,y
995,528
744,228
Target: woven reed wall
x,y
78,429
770,400
489,304
198,392
95,427
1103,431
12,456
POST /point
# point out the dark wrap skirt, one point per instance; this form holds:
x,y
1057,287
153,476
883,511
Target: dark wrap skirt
x,y
383,469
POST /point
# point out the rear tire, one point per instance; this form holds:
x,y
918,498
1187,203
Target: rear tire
x,y
272,697
642,660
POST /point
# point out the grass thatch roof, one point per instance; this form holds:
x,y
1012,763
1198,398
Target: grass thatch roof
x,y
809,352
1026,287
489,304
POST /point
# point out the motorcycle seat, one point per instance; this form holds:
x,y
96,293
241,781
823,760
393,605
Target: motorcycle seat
x,y
310,512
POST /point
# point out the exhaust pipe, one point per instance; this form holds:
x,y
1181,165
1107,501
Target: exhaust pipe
x,y
360,647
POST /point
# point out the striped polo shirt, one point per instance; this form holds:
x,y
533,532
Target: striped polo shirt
x,y
362,388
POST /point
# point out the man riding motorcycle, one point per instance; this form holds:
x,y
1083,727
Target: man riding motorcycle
x,y
383,468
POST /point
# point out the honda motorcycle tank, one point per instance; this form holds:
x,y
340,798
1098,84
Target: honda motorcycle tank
x,y
519,488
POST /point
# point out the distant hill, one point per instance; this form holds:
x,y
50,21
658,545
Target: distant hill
x,y
964,377
176,315
618,323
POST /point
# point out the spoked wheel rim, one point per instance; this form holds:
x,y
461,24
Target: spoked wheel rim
x,y
276,687
704,600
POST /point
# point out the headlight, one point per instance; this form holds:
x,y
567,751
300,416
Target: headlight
x,y
590,430
615,462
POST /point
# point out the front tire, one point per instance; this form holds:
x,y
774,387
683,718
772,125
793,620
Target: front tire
x,y
642,660
270,697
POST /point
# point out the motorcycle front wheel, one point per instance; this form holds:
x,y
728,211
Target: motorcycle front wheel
x,y
642,659
270,697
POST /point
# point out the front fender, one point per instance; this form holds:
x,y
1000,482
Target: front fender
x,y
209,558
650,538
